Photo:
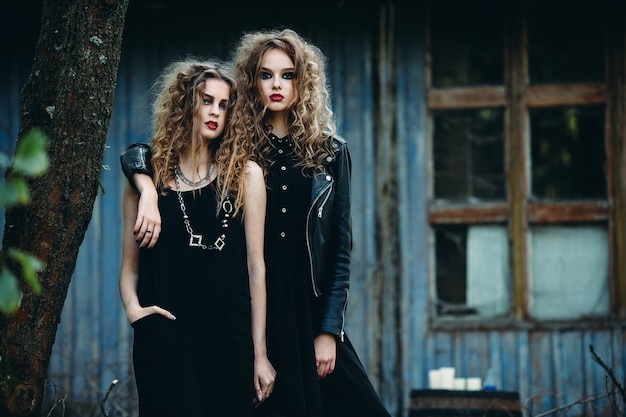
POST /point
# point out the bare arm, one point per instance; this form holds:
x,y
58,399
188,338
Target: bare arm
x,y
254,224
129,272
148,215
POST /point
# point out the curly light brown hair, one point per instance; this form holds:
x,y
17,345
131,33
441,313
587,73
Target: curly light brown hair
x,y
179,90
310,119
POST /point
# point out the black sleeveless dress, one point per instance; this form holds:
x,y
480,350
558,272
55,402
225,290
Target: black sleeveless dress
x,y
200,364
293,312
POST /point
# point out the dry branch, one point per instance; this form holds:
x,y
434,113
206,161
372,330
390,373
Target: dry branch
x,y
610,373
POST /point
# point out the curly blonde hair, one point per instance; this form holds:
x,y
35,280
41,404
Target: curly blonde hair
x,y
310,119
179,91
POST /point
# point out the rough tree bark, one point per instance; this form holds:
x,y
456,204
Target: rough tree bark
x,y
69,94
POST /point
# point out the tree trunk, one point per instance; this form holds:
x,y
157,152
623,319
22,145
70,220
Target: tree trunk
x,y
69,94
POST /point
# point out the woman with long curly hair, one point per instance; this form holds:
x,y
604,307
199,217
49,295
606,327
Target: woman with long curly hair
x,y
197,298
283,113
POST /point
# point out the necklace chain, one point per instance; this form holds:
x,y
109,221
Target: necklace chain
x,y
195,240
196,184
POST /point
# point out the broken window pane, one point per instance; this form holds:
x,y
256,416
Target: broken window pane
x,y
569,277
472,270
468,152
559,49
466,43
568,157
450,254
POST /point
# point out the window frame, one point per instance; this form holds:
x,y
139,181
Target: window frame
x,y
518,212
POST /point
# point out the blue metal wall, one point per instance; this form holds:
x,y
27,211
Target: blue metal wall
x,y
376,68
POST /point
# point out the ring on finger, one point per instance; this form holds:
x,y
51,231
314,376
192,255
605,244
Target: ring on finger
x,y
148,231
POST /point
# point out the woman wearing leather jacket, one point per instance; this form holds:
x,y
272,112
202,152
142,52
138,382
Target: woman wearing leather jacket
x,y
284,108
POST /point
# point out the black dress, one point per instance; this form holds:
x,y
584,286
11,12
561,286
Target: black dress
x,y
200,364
292,318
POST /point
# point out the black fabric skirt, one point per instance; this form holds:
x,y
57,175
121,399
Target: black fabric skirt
x,y
202,363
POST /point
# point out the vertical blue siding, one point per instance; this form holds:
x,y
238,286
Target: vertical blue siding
x,y
420,345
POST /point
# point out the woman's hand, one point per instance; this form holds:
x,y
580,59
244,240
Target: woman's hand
x,y
325,354
264,378
135,314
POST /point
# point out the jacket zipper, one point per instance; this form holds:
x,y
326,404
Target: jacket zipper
x,y
308,244
343,316
321,209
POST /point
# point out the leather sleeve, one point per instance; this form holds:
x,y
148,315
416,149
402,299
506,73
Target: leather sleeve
x,y
337,281
136,159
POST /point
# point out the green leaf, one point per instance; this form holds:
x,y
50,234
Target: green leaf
x,y
30,156
31,265
10,296
14,191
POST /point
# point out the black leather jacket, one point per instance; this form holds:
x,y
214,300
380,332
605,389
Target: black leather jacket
x,y
329,237
328,230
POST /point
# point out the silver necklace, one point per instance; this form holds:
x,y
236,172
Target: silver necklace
x,y
195,240
192,184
